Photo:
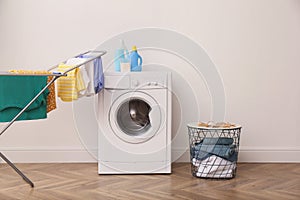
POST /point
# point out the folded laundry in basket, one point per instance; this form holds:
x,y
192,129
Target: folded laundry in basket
x,y
223,174
217,141
202,151
214,166
17,91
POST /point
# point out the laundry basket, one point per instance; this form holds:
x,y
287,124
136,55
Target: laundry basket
x,y
214,150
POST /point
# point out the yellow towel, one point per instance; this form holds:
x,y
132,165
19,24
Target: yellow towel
x,y
51,98
69,86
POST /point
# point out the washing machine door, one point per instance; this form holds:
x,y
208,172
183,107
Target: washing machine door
x,y
135,117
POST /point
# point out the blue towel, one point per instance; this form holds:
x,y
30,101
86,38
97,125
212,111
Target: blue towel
x,y
201,152
98,75
221,147
218,140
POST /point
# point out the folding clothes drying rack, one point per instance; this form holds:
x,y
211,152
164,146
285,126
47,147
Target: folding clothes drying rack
x,y
95,55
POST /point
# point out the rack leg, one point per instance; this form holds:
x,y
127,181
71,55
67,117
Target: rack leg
x,y
17,170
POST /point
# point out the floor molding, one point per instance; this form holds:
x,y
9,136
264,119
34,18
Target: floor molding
x,y
259,155
49,155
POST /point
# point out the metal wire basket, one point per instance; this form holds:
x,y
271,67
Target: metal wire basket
x,y
214,151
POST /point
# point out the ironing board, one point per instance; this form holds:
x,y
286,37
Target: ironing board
x,y
92,56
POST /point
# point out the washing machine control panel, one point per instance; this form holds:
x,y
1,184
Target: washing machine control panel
x,y
144,81
146,84
135,83
136,80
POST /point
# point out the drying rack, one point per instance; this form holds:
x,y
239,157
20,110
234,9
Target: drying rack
x,y
93,55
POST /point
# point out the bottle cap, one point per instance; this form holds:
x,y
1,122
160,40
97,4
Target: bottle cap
x,y
134,48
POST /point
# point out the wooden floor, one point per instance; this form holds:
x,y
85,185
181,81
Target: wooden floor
x,y
81,181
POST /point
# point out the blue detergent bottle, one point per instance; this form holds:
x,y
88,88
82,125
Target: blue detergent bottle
x,y
120,55
136,60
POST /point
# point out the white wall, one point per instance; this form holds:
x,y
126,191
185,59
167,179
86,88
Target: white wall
x,y
255,45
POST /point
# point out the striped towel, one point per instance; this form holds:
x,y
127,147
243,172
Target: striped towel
x,y
68,87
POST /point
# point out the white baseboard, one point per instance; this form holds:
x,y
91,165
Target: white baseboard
x,y
49,155
275,155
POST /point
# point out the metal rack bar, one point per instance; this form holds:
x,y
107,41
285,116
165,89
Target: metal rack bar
x,y
17,170
56,76
100,53
15,74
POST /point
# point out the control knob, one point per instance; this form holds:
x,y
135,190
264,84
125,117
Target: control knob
x,y
135,83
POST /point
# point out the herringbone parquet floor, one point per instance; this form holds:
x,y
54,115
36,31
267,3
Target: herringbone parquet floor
x,y
81,181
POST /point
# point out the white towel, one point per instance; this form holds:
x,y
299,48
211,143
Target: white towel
x,y
87,73
215,167
223,174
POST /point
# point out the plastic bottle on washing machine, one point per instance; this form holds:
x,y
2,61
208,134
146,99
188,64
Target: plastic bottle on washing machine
x,y
121,56
136,60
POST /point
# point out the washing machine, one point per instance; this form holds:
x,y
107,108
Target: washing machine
x,y
135,123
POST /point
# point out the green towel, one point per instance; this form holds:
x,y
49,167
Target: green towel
x,y
17,91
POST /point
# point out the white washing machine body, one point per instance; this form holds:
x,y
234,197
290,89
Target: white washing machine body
x,y
135,123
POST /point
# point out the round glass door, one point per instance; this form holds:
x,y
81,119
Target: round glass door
x,y
135,117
